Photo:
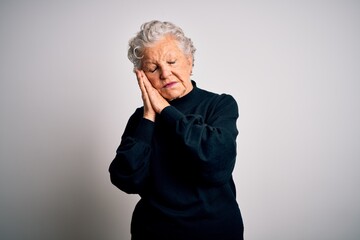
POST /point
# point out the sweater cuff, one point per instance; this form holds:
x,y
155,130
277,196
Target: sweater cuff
x,y
145,130
171,115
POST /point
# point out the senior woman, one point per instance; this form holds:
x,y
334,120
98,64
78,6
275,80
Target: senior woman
x,y
178,150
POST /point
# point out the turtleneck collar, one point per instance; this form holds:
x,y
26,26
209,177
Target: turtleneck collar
x,y
187,99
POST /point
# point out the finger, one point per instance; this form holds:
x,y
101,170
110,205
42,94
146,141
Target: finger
x,y
149,112
148,86
145,85
144,93
140,80
138,75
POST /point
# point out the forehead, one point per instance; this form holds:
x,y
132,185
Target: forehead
x,y
162,49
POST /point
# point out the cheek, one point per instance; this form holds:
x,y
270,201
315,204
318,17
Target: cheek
x,y
154,80
187,67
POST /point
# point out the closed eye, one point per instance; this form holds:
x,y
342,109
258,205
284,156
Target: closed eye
x,y
153,70
171,62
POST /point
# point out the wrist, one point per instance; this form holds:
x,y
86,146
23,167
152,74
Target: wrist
x,y
150,117
163,107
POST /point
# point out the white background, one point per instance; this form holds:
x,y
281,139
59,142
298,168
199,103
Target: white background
x,y
67,90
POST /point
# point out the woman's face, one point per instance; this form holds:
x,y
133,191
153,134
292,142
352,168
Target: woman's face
x,y
168,68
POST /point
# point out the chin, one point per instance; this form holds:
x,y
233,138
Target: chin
x,y
170,98
174,95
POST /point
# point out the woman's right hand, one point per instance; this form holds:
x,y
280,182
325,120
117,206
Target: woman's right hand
x,y
149,112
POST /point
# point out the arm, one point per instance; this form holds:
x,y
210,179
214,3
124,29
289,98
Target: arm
x,y
130,167
211,145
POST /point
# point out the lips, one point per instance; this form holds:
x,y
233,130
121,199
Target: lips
x,y
169,85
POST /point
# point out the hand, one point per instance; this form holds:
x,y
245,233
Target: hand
x,y
157,101
149,112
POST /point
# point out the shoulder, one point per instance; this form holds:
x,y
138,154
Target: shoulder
x,y
216,98
218,104
136,117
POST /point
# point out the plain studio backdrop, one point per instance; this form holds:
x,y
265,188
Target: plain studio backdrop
x,y
67,90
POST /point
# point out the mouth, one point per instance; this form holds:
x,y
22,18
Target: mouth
x,y
169,85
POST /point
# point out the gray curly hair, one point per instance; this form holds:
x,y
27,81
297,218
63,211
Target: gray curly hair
x,y
152,31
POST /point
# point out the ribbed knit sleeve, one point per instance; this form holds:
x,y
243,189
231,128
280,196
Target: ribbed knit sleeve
x,y
210,140
130,167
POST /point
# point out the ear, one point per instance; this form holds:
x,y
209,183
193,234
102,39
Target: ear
x,y
190,60
191,64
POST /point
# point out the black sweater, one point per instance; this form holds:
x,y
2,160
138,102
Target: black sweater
x,y
181,165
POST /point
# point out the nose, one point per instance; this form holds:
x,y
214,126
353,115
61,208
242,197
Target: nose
x,y
165,72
